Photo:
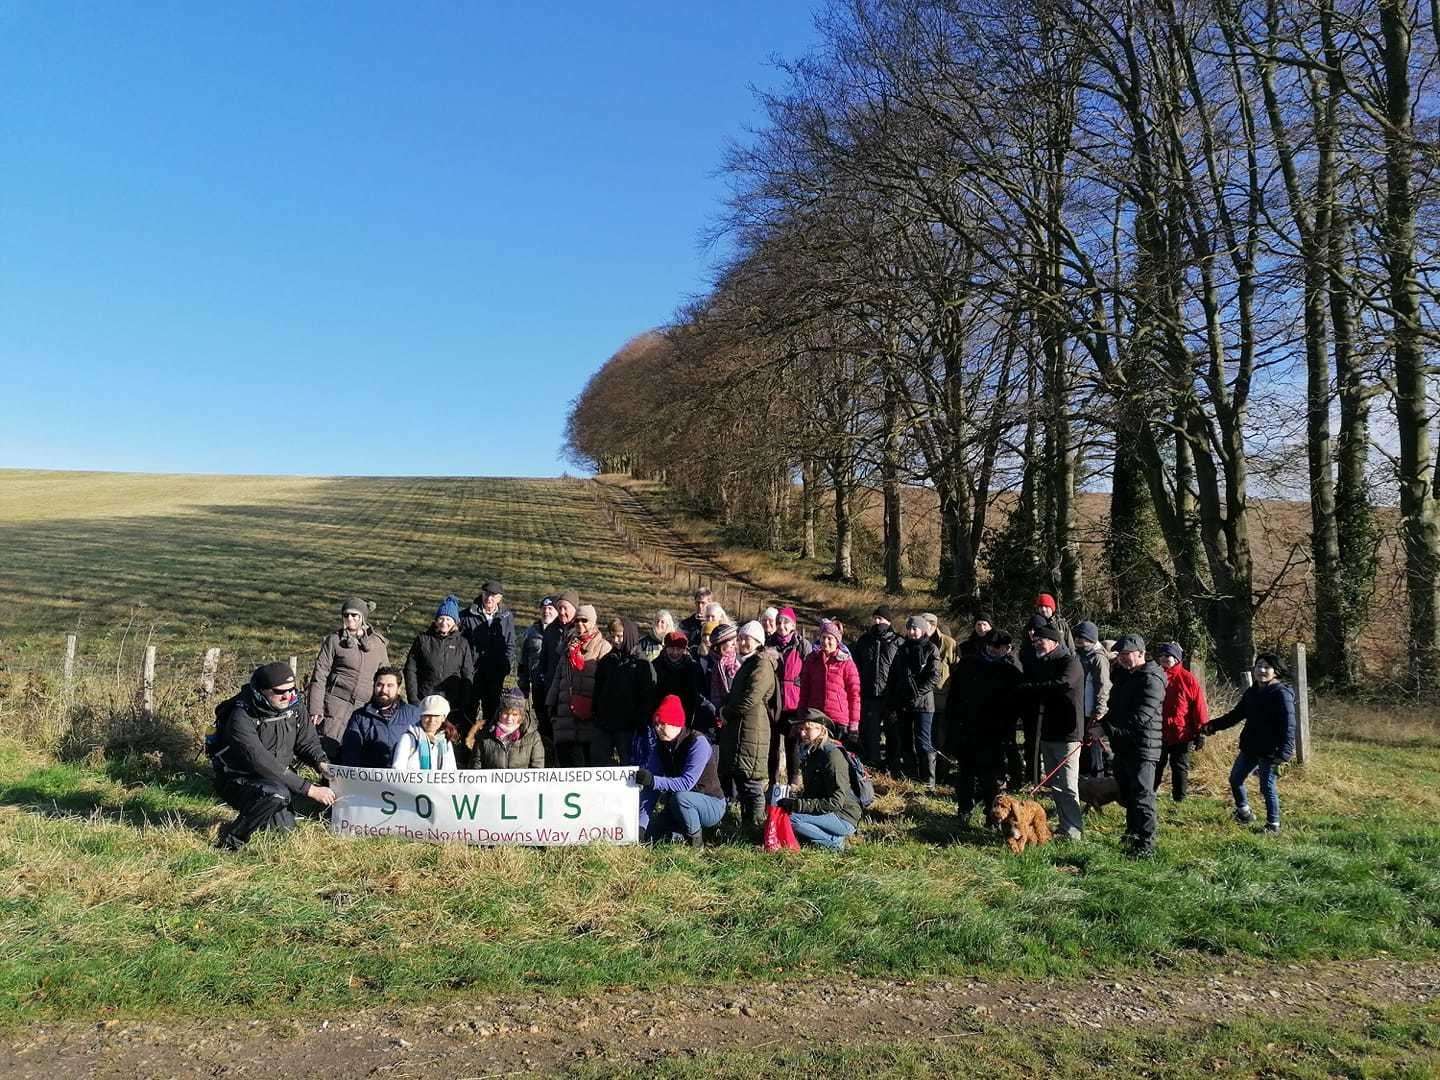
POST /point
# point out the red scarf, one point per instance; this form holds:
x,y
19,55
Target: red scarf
x,y
577,651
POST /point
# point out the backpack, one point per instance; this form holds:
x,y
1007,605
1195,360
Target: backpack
x,y
860,782
214,740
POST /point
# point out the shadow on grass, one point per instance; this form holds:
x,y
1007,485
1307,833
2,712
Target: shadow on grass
x,y
142,810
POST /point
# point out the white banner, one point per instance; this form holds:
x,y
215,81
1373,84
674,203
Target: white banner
x,y
540,807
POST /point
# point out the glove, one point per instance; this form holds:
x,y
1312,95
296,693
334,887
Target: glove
x,y
1198,743
788,805
644,778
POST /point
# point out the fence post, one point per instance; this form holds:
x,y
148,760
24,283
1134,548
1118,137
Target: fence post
x,y
147,685
295,667
69,661
207,671
1302,705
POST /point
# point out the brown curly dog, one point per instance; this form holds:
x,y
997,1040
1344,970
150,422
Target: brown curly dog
x,y
1021,822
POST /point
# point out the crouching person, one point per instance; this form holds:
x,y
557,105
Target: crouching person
x,y
263,730
424,745
829,812
678,764
510,741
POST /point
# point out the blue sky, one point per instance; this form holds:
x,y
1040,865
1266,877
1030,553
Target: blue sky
x,y
350,238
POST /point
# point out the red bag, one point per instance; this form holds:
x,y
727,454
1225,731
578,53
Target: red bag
x,y
779,834
582,706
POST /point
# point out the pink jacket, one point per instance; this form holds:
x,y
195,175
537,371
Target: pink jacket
x,y
832,686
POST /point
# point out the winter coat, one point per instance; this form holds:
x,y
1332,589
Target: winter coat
x,y
554,639
1185,711
971,646
693,627
371,736
624,687
690,763
792,655
526,752
1055,691
650,647
571,682
441,665
914,674
833,687
749,713
1133,722
874,652
686,680
407,751
984,702
1096,663
257,742
826,777
949,653
1269,715
532,648
344,677
493,642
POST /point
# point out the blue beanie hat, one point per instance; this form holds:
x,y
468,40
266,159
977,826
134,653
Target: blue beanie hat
x,y
449,606
1087,631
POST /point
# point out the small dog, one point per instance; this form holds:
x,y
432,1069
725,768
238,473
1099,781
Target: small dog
x,y
1098,791
1021,822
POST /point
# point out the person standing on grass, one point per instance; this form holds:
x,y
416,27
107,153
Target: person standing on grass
x,y
1096,662
652,644
750,710
572,694
490,629
557,641
828,810
1055,692
376,727
792,649
677,672
1133,723
441,661
874,652
980,626
949,652
721,663
1266,742
984,709
259,733
344,670
830,682
682,767
531,678
511,740
423,746
1184,717
694,625
914,674
624,695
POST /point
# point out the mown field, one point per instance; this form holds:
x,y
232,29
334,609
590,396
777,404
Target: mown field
x,y
113,903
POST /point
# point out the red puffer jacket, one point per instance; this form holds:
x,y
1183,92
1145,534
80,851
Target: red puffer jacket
x,y
833,686
1185,710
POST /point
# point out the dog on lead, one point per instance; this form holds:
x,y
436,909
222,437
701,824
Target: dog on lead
x,y
1022,822
1097,792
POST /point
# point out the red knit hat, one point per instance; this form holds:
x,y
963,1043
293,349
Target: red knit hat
x,y
1046,600
670,713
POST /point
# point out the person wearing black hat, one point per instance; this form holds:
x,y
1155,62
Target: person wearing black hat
x,y
829,810
914,675
490,628
980,625
258,734
1133,722
529,678
344,672
1054,688
874,653
984,708
556,642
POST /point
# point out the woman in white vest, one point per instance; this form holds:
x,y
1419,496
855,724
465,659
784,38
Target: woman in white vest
x,y
424,746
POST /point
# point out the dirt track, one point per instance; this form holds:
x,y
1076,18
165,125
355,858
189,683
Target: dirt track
x,y
535,1034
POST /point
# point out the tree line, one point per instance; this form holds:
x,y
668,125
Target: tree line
x,y
1017,250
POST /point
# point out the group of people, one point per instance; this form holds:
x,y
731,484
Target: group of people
x,y
715,714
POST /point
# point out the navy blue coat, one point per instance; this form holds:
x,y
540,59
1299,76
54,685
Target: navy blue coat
x,y
1269,715
370,739
493,643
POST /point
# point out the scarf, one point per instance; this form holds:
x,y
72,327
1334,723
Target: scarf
x,y
511,735
432,752
577,651
722,675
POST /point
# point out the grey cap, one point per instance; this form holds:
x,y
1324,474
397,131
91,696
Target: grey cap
x,y
1130,643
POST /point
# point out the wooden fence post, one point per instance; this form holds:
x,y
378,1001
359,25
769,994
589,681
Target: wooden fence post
x,y
69,661
207,671
147,685
295,667
1302,704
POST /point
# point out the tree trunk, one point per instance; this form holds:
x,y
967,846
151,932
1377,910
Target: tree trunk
x,y
807,508
840,484
890,481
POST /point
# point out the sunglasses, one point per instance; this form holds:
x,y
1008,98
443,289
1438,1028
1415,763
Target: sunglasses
x,y
281,691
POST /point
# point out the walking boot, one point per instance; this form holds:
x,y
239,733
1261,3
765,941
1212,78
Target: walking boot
x,y
930,772
696,839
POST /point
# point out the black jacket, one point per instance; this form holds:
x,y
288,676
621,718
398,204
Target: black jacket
x,y
693,628
624,686
873,655
259,743
1269,715
1134,721
552,650
914,674
983,705
492,642
1055,688
686,680
441,665
532,648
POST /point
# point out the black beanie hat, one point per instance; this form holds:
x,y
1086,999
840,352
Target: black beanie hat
x,y
269,676
884,611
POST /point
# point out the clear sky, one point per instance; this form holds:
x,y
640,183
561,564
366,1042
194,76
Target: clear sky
x,y
350,238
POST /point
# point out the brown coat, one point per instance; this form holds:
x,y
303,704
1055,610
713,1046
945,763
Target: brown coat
x,y
569,683
344,679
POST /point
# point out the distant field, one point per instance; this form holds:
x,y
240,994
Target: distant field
x,y
258,565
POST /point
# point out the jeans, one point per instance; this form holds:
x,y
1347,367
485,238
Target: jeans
x,y
872,724
827,830
1065,784
1179,758
1265,766
1136,780
688,812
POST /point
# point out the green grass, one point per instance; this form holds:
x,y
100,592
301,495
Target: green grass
x,y
110,896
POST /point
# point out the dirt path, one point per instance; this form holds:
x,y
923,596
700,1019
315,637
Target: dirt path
x,y
536,1034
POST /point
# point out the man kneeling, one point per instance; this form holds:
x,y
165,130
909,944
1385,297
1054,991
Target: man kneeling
x,y
678,763
264,730
830,811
